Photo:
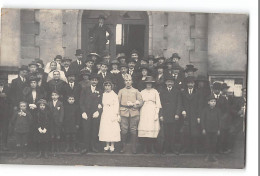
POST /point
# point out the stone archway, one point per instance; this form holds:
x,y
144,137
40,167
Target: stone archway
x,y
87,18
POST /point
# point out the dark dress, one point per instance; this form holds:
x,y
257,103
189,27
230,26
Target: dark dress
x,y
43,118
71,118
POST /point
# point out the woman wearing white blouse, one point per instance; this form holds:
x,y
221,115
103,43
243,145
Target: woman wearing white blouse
x,y
149,126
109,130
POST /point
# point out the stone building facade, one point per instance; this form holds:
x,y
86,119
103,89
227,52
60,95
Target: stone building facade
x,y
215,43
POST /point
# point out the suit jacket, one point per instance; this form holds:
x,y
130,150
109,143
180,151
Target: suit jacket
x,y
57,112
64,70
101,79
75,68
16,91
4,103
190,103
159,83
75,91
57,85
89,101
135,77
29,98
171,104
99,34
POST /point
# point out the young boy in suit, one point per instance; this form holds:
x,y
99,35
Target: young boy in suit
x,y
71,122
210,123
57,114
21,122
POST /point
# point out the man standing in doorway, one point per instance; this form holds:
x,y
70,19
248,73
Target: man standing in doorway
x,y
98,35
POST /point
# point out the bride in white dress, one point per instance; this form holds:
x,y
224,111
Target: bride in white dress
x,y
109,130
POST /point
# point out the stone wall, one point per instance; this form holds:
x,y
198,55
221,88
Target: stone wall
x,y
227,42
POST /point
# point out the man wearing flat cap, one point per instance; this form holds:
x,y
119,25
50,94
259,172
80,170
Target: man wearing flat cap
x,y
98,35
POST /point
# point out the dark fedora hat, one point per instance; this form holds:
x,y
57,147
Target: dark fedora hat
x,y
190,68
225,86
168,61
160,66
42,101
78,52
169,77
66,58
101,17
58,57
23,67
93,75
123,65
211,97
85,72
33,63
217,86
104,63
149,79
33,78
39,61
144,66
134,51
114,61
201,78
131,60
175,55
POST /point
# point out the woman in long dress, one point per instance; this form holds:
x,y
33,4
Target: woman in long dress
x,y
149,125
109,130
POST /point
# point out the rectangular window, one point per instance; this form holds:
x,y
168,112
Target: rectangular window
x,y
119,36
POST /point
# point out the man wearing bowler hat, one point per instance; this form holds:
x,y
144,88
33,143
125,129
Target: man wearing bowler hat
x,y
170,115
17,86
98,35
78,64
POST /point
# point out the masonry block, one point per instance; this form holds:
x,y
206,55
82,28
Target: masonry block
x,y
30,28
201,44
27,15
198,56
201,20
29,52
27,40
198,32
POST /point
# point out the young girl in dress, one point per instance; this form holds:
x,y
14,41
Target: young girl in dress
x,y
109,130
149,126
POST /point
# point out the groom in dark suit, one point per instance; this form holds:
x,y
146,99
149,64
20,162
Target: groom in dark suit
x,y
170,115
90,107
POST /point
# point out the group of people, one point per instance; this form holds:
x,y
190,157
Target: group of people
x,y
98,99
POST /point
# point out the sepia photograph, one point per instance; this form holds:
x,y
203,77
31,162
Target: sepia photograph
x,y
123,88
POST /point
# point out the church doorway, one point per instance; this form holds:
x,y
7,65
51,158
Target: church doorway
x,y
130,30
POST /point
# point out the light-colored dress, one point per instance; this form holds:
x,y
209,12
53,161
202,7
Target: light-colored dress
x,y
149,125
109,130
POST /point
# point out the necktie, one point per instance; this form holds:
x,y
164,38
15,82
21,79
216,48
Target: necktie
x,y
71,85
79,62
169,89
